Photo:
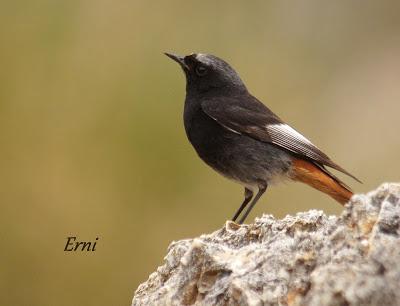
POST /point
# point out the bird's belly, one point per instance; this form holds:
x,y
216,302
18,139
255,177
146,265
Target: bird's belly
x,y
235,156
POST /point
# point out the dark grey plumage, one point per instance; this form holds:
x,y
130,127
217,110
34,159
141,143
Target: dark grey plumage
x,y
237,135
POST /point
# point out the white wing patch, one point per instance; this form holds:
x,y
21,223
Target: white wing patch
x,y
286,131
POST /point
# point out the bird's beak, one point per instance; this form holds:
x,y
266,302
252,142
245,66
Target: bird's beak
x,y
179,59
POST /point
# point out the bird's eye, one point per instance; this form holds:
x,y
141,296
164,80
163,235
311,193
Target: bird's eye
x,y
201,70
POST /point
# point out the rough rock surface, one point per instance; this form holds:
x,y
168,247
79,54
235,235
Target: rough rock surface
x,y
308,259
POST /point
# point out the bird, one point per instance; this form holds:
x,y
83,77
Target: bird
x,y
243,140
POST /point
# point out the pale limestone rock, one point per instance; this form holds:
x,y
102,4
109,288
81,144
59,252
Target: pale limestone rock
x,y
306,260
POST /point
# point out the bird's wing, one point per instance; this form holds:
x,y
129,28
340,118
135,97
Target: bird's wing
x,y
255,120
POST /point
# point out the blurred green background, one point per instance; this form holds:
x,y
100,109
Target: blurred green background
x,y
92,139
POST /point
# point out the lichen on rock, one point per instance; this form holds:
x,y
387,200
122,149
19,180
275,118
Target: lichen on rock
x,y
307,259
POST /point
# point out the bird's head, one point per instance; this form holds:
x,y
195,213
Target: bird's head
x,y
206,72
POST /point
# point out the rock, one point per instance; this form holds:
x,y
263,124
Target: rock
x,y
308,259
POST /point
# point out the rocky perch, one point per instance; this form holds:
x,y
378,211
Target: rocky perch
x,y
308,259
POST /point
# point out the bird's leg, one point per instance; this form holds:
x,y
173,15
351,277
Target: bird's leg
x,y
248,194
261,190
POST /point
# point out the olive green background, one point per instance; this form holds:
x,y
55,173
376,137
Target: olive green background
x,y
92,140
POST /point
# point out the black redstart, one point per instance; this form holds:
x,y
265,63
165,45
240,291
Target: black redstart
x,y
240,138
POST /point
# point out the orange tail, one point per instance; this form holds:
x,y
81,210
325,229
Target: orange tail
x,y
320,179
